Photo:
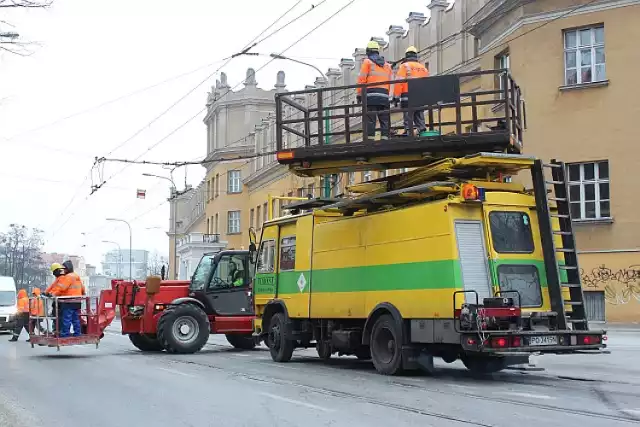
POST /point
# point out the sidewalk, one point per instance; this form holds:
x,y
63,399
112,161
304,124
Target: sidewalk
x,y
617,327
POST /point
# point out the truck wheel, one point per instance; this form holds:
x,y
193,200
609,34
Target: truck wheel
x,y
483,364
280,347
145,342
363,353
386,346
183,329
244,342
324,349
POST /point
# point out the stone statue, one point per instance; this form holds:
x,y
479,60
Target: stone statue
x,y
251,77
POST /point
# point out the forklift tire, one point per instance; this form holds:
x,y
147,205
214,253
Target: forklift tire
x,y
280,347
243,342
183,329
145,342
386,346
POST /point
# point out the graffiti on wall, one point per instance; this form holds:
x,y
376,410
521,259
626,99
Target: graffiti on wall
x,y
620,286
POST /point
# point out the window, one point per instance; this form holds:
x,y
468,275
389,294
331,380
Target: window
x,y
266,259
203,270
502,61
252,217
233,182
521,278
7,298
209,189
217,184
511,232
589,190
311,190
301,193
258,218
351,178
233,222
288,254
265,213
366,176
230,272
584,56
216,225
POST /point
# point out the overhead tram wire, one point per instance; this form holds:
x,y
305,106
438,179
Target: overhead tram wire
x,y
230,89
245,50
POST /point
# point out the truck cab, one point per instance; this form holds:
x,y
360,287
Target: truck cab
x,y
8,303
222,282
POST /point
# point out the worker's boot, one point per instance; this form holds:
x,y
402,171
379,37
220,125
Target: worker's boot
x,y
13,339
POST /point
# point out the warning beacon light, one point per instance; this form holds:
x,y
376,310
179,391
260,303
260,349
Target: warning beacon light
x,y
471,193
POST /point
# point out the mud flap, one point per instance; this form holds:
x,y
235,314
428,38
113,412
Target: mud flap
x,y
521,363
414,359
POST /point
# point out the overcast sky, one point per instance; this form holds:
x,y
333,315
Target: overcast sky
x,y
94,51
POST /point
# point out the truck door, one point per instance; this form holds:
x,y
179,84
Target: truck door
x,y
227,293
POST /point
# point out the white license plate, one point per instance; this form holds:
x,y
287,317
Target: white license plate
x,y
543,340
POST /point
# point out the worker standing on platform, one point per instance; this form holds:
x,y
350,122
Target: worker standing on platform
x,y
375,69
22,318
56,311
410,68
68,286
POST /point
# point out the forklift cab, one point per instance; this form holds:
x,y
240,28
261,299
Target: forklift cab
x,y
222,283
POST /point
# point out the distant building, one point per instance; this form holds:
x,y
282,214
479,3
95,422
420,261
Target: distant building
x,y
79,264
115,264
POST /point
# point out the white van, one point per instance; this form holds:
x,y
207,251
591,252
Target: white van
x,y
8,303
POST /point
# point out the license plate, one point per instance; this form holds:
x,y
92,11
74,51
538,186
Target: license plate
x,y
543,340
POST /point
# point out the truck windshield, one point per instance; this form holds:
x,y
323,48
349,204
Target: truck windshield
x,y
524,280
203,271
511,232
7,298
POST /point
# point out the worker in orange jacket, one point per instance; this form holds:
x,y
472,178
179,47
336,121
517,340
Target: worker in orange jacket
x,y
69,285
22,318
36,311
410,68
375,69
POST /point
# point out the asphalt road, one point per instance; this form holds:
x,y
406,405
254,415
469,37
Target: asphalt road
x,y
116,384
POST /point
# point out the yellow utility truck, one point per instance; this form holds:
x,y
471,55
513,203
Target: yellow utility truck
x,y
450,259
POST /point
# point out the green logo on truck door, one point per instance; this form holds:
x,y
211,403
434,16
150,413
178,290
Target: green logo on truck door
x,y
265,284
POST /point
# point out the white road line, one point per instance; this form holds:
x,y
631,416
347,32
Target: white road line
x,y
632,411
173,371
526,395
297,402
241,354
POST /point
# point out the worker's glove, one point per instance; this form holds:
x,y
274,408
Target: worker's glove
x,y
47,294
359,99
396,102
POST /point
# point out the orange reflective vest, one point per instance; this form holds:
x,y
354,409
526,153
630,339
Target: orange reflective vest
x,y
370,72
23,301
37,306
67,286
408,70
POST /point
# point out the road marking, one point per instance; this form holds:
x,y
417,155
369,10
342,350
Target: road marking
x,y
173,371
296,402
527,395
241,354
632,411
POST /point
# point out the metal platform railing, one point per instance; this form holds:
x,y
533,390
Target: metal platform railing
x,y
331,115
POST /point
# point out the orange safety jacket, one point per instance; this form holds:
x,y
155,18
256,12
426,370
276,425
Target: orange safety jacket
x,y
77,280
67,286
23,301
36,304
411,69
370,72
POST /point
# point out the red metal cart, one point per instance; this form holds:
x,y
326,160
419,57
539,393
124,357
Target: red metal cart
x,y
44,330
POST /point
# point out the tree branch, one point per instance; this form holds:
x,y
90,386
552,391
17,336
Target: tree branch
x,y
26,4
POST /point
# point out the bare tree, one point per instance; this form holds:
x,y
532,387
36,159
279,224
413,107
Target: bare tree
x,y
20,256
10,40
156,261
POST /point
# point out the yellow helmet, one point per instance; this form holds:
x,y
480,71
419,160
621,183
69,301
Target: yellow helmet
x,y
55,266
411,49
373,45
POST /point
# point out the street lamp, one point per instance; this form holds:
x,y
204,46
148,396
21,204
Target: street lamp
x,y
119,259
174,198
326,111
130,245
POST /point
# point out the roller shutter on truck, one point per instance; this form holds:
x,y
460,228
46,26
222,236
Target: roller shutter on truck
x,y
473,259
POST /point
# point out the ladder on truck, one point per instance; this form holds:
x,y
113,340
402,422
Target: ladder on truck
x,y
561,274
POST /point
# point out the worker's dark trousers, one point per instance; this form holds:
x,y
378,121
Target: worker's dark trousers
x,y
417,119
22,320
384,117
35,323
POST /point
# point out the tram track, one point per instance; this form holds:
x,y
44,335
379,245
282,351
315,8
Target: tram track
x,y
327,391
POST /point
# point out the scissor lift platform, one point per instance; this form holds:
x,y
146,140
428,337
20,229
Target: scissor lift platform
x,y
320,131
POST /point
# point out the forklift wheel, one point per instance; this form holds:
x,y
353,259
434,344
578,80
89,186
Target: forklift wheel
x,y
183,329
145,342
243,342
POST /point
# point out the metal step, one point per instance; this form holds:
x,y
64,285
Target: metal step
x,y
582,320
568,267
554,182
558,199
564,250
572,303
571,285
562,233
560,216
551,165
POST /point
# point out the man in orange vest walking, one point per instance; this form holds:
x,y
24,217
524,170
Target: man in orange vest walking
x,y
22,319
410,68
36,311
375,69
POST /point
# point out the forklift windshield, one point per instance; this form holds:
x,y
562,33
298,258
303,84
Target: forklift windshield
x,y
203,273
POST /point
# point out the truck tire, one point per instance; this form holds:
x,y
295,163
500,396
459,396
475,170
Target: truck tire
x,y
363,353
243,342
484,365
280,347
386,346
183,329
145,342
